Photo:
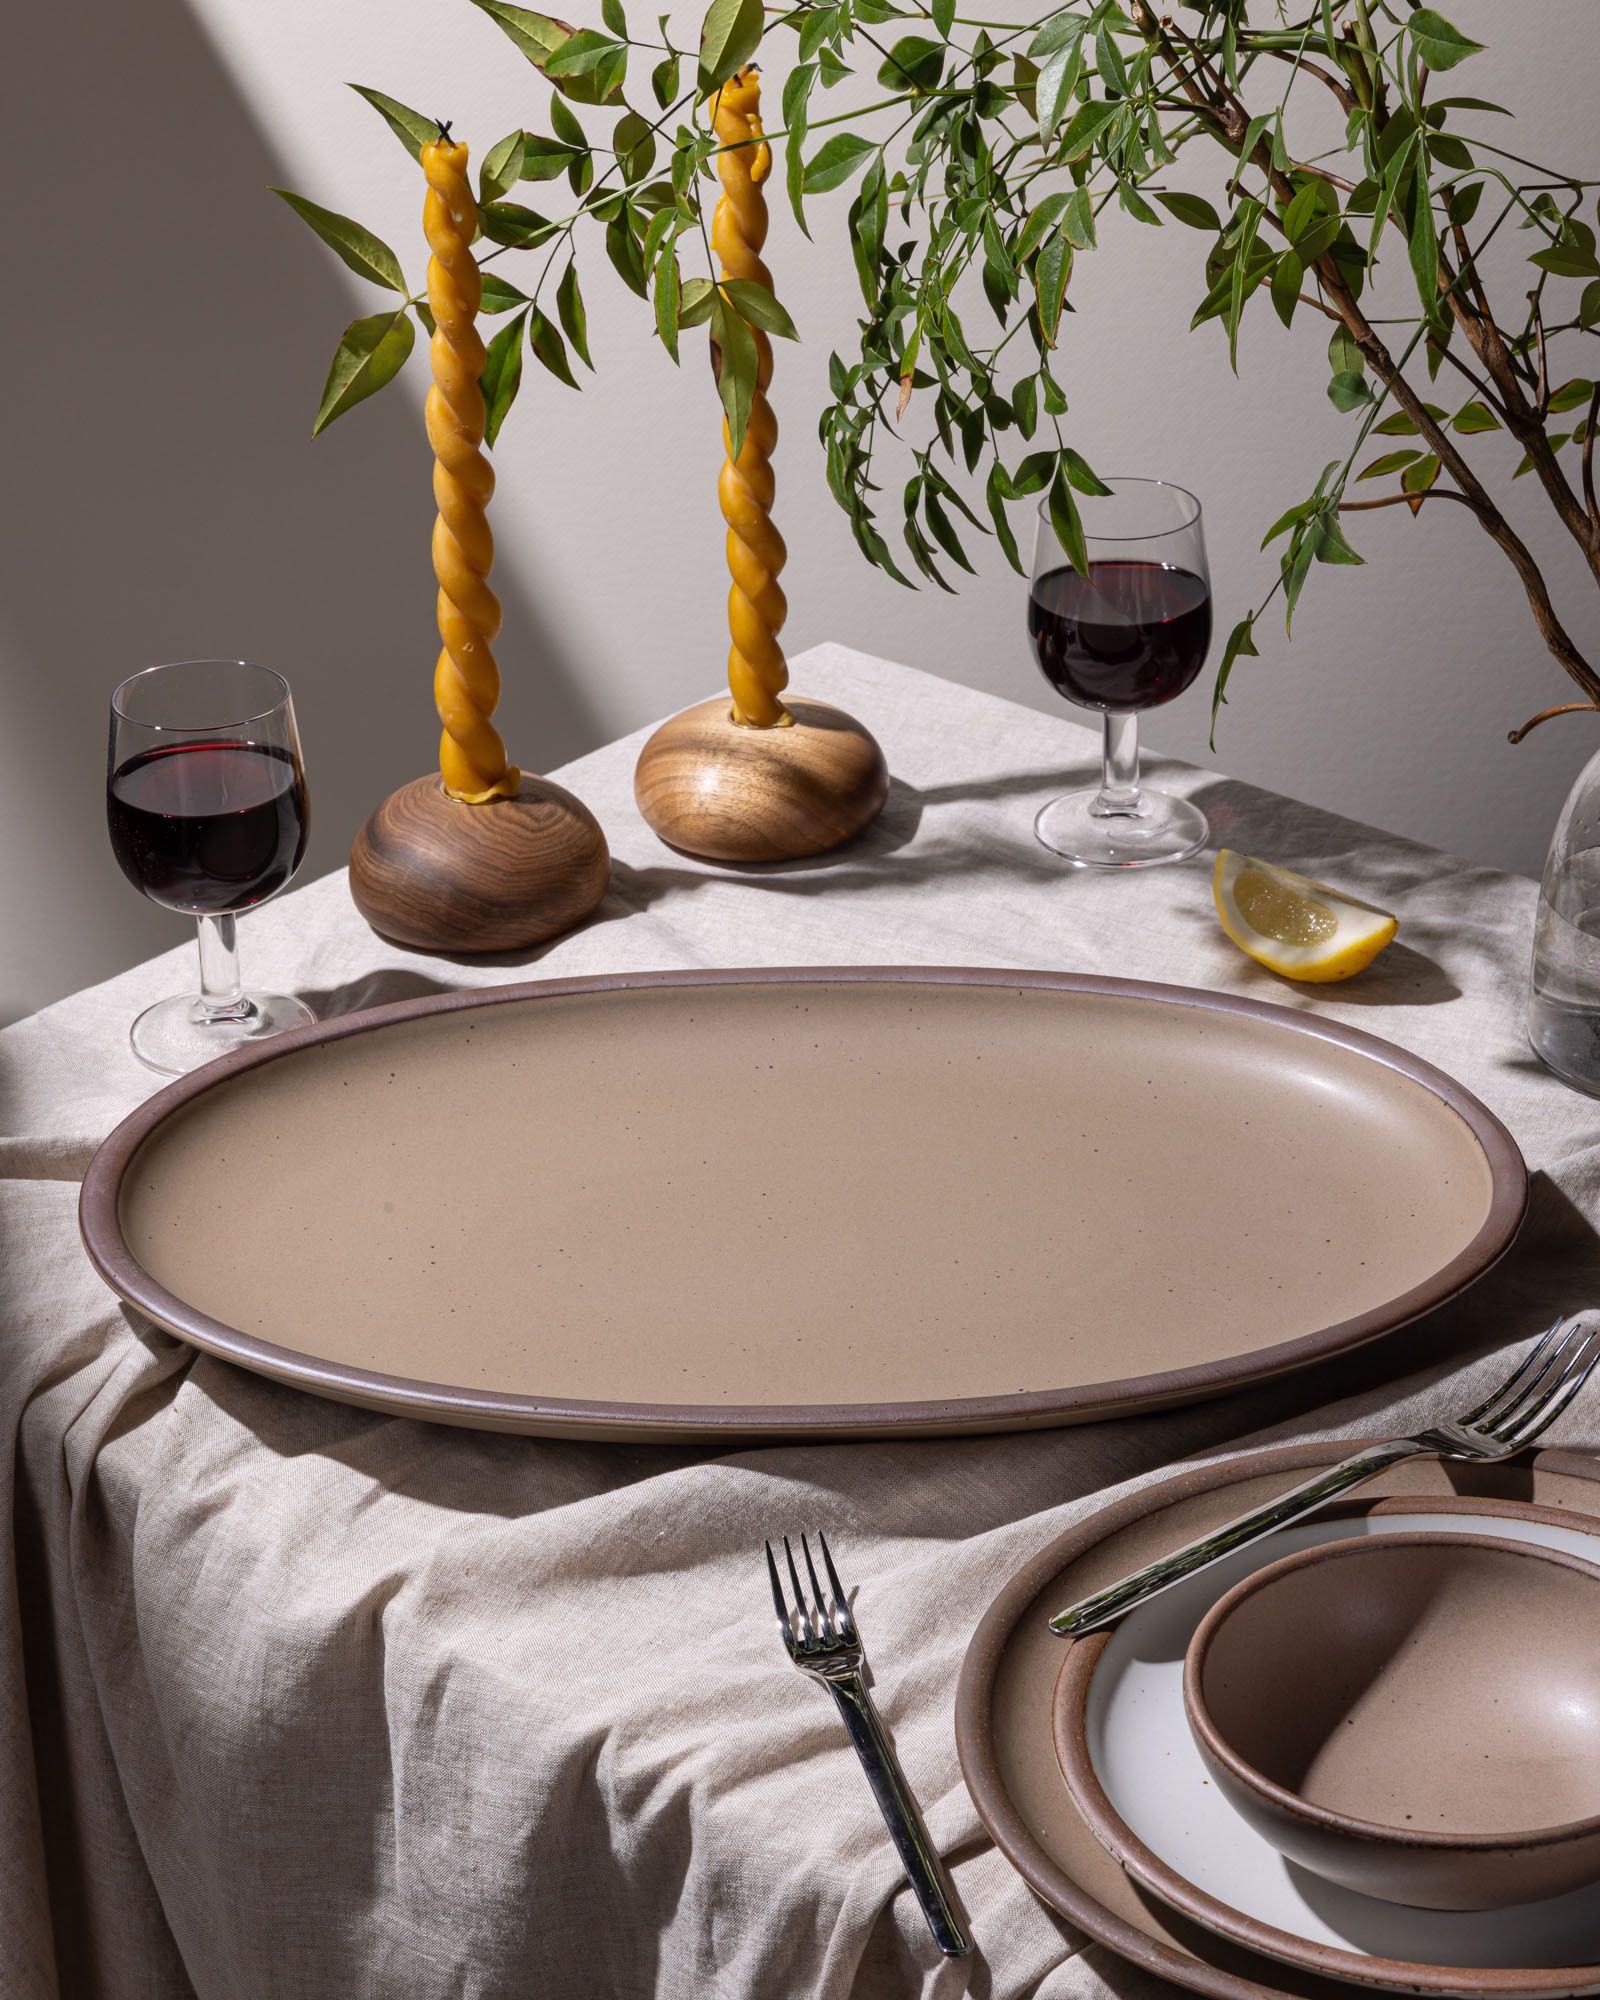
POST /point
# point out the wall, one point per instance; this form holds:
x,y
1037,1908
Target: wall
x,y
168,336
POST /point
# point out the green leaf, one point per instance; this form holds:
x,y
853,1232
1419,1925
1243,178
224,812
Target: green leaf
x,y
756,306
574,320
668,296
816,26
796,94
1473,417
1348,392
1328,544
1567,260
1085,127
635,146
1055,87
944,16
1190,208
539,37
994,494
611,13
408,126
1082,475
424,313
547,343
1419,477
1056,33
1241,640
1108,62
1422,240
367,255
1571,395
699,296
568,128
1401,425
1077,220
1251,211
833,165
664,80
511,224
1439,44
499,296
1287,275
1051,270
544,159
371,353
729,37
913,63
502,375
502,166
622,247
1065,520
579,55
735,360
1039,224
1391,461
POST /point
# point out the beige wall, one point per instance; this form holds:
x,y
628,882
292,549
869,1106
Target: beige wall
x,y
168,326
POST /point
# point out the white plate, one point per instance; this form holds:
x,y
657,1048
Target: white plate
x,y
1151,1773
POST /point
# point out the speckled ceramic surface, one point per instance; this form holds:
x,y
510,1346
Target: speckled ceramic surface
x,y
830,1201
1008,1713
1413,1716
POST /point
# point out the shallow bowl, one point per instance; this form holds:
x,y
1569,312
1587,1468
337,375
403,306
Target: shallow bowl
x,y
1415,1717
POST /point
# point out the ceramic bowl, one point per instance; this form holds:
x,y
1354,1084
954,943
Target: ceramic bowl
x,y
1415,1717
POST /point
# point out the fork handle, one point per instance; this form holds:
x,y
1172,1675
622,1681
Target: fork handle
x,y
1104,1607
917,1853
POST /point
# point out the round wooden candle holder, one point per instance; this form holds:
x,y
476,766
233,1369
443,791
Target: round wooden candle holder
x,y
434,873
723,790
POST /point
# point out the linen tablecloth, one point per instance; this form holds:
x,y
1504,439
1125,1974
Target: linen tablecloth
x,y
299,1700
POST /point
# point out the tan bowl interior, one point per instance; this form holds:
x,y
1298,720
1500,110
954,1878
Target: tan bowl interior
x,y
1441,1688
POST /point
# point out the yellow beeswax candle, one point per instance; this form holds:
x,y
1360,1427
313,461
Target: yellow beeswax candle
x,y
757,607
466,681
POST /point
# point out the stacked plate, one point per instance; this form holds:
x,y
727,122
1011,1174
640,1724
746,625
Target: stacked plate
x,y
1084,1767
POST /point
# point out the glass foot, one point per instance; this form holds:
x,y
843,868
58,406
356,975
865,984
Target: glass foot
x,y
178,1035
1090,832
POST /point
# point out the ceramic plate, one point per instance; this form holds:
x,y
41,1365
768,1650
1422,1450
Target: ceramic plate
x,y
1134,1773
828,1201
1005,1726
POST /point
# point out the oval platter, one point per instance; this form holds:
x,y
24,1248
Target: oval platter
x,y
826,1201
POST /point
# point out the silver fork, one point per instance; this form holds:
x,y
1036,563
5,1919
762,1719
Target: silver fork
x,y
1520,1410
822,1641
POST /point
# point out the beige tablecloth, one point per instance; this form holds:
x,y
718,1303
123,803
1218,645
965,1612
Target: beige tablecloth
x,y
300,1701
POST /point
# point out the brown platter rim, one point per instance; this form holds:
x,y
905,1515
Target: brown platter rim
x,y
100,1226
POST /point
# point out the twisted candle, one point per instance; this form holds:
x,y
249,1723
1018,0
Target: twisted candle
x,y
466,681
757,607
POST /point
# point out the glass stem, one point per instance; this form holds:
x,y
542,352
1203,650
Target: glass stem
x,y
1119,782
221,997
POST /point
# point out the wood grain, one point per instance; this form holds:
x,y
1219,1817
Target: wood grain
x,y
431,872
717,788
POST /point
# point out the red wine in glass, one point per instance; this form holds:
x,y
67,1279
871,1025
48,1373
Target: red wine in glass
x,y
208,828
1126,633
206,808
1127,636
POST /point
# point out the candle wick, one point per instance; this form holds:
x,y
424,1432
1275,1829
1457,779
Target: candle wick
x,y
444,125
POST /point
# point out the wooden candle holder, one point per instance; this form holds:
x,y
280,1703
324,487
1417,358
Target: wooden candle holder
x,y
744,777
433,873
717,788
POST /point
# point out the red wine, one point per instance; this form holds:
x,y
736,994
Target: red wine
x,y
208,827
1130,635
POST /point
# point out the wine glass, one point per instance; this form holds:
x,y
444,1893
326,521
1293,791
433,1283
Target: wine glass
x,y
1129,635
206,805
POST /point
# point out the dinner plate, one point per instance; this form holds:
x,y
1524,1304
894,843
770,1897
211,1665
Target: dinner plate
x,y
1007,1724
1133,1770
830,1201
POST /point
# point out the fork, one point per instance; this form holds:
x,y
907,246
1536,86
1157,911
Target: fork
x,y
1520,1410
822,1640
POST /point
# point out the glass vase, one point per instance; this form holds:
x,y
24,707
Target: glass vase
x,y
1564,997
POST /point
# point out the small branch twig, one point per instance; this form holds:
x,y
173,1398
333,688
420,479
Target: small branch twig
x,y
1544,715
1411,500
1588,461
1541,388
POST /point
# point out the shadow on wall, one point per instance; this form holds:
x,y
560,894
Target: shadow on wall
x,y
164,500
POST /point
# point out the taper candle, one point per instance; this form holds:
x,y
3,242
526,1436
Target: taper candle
x,y
466,681
757,607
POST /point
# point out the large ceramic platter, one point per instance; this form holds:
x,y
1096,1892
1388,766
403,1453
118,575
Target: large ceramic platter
x,y
1149,1863
832,1201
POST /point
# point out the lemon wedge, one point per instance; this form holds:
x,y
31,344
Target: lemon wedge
x,y
1292,925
